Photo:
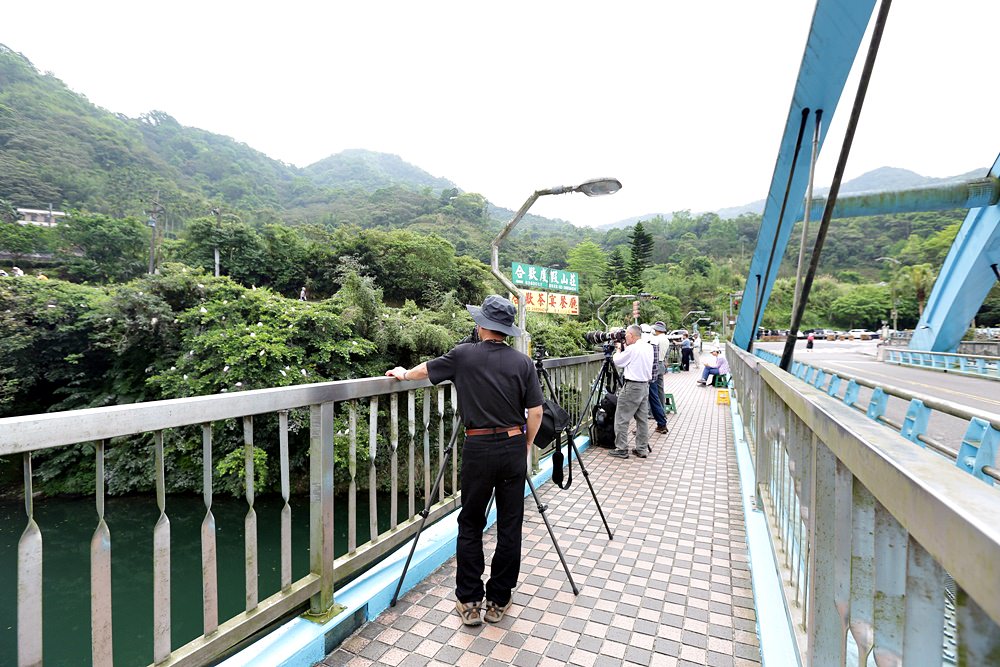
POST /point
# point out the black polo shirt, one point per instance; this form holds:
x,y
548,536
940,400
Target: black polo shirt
x,y
495,383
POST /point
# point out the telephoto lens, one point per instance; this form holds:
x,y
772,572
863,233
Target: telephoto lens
x,y
602,337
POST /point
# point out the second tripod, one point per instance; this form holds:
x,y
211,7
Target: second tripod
x,y
543,377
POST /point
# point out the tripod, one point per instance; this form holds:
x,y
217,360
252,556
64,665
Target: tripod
x,y
543,377
427,506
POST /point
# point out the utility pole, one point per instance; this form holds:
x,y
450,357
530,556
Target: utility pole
x,y
218,228
156,210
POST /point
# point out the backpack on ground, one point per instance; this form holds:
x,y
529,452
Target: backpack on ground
x,y
602,427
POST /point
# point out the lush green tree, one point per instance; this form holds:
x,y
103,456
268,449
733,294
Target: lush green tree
x,y
917,280
639,257
8,213
99,248
615,273
21,240
589,261
863,306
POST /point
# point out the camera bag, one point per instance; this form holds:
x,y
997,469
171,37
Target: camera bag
x,y
602,427
555,420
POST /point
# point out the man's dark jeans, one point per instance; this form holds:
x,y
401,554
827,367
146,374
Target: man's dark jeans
x,y
490,462
655,404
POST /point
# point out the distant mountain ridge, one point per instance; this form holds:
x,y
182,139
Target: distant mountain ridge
x,y
370,171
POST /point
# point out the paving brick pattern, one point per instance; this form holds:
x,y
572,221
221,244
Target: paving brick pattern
x,y
672,587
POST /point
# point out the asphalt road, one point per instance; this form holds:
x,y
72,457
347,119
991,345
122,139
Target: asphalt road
x,y
857,359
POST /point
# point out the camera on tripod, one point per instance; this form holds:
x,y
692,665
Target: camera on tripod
x,y
603,337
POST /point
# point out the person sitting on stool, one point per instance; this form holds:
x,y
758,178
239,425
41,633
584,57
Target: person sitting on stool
x,y
717,366
636,360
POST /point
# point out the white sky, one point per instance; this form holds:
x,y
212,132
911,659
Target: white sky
x,y
684,102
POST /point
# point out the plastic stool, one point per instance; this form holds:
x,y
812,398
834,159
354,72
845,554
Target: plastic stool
x,y
721,396
669,405
721,381
674,368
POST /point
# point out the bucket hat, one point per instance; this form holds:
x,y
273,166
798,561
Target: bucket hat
x,y
496,314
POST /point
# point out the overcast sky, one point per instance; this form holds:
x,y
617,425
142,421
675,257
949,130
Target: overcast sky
x,y
684,102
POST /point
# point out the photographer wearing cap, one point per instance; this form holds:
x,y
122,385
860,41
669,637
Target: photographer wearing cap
x,y
497,387
636,361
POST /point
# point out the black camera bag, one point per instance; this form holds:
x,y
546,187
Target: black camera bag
x,y
602,427
555,420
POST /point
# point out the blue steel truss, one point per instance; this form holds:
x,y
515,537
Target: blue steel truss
x,y
964,281
835,35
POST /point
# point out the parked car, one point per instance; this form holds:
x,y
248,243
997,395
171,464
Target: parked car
x,y
676,334
861,334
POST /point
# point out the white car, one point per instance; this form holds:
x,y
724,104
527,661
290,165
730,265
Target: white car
x,y
861,334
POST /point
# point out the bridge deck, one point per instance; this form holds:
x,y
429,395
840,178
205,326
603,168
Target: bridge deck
x,y
672,588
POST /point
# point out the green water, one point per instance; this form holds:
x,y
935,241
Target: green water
x,y
67,526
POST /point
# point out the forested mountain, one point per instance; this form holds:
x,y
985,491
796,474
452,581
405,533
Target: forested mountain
x,y
57,148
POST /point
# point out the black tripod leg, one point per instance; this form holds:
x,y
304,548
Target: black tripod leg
x,y
541,510
593,493
427,507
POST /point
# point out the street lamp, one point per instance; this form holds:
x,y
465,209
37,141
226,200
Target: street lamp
x,y
595,187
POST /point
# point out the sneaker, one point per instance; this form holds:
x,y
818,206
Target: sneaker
x,y
662,429
641,455
619,453
702,382
494,612
469,612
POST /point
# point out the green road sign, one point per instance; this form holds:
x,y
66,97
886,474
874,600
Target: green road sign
x,y
544,278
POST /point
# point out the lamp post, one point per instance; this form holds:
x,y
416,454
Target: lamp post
x,y
892,287
593,188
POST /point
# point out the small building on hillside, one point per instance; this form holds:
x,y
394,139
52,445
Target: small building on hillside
x,y
40,217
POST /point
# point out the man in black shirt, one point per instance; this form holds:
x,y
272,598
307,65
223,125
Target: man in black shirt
x,y
500,400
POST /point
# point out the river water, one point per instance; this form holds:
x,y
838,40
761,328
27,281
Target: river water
x,y
67,527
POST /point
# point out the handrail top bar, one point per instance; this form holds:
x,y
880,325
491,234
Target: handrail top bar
x,y
34,432
906,350
923,491
941,405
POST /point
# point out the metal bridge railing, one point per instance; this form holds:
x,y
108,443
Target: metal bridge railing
x,y
962,364
866,528
412,414
975,454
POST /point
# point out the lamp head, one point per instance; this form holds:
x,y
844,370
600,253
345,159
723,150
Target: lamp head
x,y
597,187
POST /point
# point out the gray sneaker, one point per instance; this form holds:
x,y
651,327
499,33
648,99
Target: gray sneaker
x,y
469,612
619,453
494,612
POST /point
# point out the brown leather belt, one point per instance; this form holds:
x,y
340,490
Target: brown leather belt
x,y
509,431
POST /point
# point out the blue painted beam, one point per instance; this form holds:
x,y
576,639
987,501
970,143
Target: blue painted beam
x,y
835,35
972,194
964,281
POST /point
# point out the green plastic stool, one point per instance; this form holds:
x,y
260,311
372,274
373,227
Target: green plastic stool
x,y
721,381
669,405
674,368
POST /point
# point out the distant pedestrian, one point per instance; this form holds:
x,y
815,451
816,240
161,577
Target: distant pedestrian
x,y
16,271
687,352
809,340
302,294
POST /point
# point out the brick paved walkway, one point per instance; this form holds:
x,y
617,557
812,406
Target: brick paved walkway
x,y
672,588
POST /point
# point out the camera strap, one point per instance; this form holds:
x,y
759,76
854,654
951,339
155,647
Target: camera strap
x,y
557,461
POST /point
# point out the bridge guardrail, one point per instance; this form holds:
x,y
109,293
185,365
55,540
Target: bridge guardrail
x,y
978,451
962,364
414,429
867,529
